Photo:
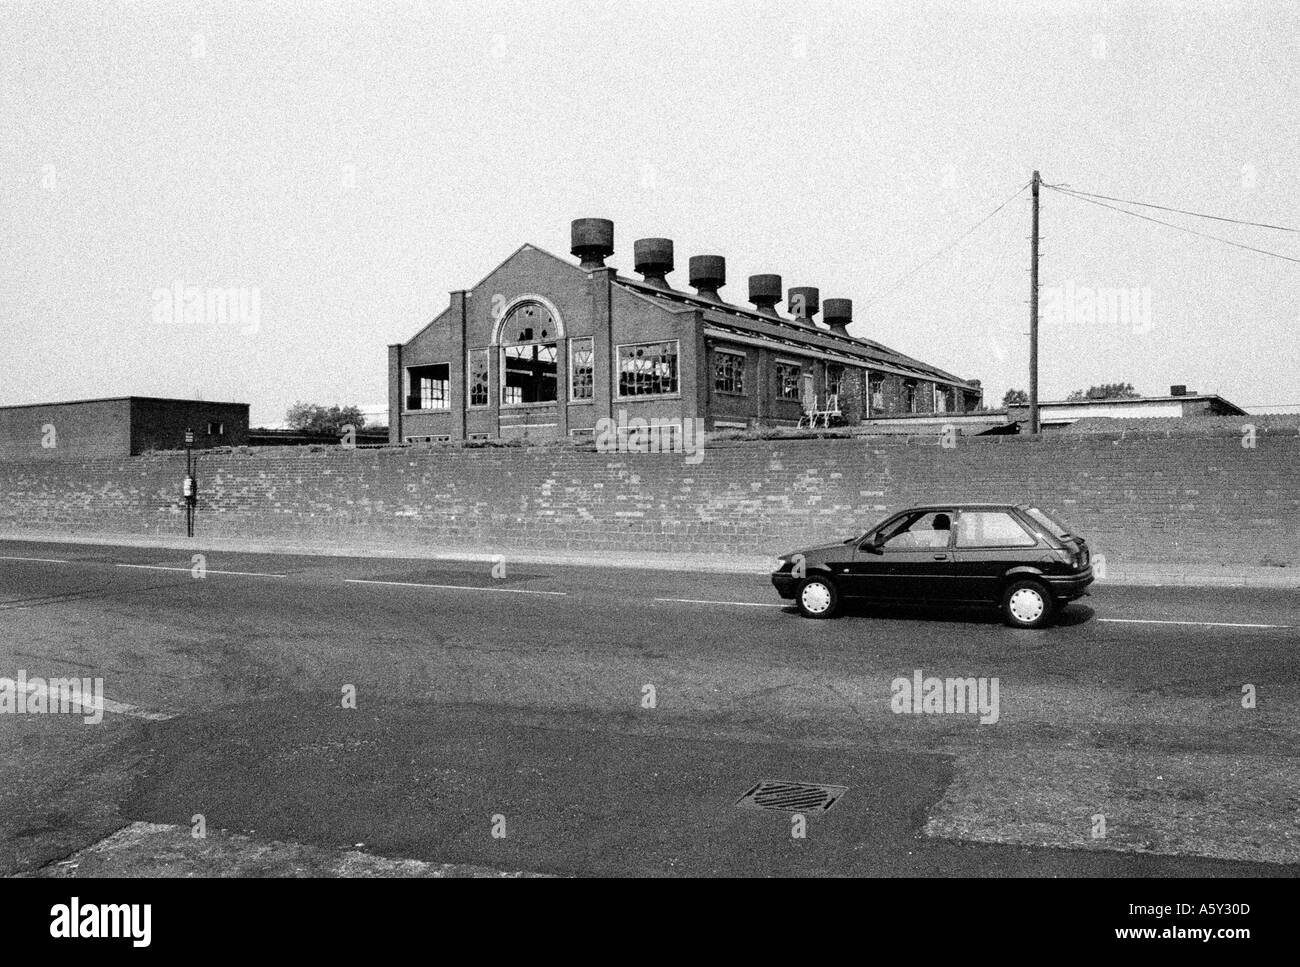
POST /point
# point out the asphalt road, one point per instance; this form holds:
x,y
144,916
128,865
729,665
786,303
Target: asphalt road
x,y
605,721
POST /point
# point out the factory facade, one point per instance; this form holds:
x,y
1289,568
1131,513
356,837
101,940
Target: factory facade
x,y
544,348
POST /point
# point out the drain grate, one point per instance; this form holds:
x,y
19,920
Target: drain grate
x,y
792,797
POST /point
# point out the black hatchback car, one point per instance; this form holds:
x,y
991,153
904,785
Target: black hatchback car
x,y
1013,555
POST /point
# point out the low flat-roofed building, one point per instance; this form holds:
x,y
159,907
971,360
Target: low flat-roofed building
x,y
118,426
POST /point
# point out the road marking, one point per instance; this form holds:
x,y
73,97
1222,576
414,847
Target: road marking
x,y
742,604
107,704
1199,624
454,587
159,567
43,560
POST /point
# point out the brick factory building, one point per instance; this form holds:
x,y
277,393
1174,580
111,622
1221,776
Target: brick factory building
x,y
119,426
544,348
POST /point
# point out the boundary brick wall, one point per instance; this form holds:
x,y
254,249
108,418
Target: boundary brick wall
x,y
1144,497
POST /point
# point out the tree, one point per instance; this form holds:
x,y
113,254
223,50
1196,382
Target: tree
x,y
314,418
1106,391
1014,397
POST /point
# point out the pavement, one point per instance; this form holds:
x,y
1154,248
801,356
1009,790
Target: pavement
x,y
1138,573
334,715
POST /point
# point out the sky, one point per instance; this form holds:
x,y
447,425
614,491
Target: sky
x,y
329,172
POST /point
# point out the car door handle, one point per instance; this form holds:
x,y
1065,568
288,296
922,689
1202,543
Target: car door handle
x,y
941,557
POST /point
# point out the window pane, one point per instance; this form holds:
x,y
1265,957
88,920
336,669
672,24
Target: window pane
x,y
787,381
991,528
729,373
920,531
478,377
430,387
581,368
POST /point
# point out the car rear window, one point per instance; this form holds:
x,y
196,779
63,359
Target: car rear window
x,y
1053,524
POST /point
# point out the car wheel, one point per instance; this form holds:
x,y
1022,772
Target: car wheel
x,y
1027,604
817,598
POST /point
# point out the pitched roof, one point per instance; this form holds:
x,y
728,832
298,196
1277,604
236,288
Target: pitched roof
x,y
792,332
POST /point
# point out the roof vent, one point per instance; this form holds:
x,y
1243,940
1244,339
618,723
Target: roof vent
x,y
653,258
837,314
593,241
804,302
765,292
708,275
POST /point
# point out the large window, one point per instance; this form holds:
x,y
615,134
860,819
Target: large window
x,y
429,387
581,369
729,373
647,369
530,374
478,377
787,381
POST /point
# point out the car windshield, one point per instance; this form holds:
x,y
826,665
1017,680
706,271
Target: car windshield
x,y
1053,524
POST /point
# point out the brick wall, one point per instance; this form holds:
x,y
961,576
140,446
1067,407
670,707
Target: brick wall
x,y
1143,497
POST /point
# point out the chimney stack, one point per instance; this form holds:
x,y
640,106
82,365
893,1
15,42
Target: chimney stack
x,y
804,302
1180,390
838,313
765,292
708,275
653,258
593,241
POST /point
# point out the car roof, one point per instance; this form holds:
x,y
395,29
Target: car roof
x,y
965,505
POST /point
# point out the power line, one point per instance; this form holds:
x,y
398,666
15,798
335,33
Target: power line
x,y
1165,208
1181,228
922,264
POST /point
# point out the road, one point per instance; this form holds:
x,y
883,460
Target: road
x,y
572,720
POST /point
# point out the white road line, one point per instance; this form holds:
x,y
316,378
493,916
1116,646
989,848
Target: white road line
x,y
1199,624
159,567
89,708
742,604
43,560
454,587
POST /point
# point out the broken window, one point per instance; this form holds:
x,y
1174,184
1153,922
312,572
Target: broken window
x,y
834,379
729,372
478,377
429,387
876,391
910,396
530,374
647,369
787,381
581,369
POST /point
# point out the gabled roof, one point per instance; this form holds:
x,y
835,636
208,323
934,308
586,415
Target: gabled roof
x,y
791,332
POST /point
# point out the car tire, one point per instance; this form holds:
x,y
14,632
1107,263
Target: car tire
x,y
1027,604
817,597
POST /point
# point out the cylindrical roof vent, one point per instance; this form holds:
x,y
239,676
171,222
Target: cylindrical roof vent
x,y
708,275
653,258
804,302
593,241
838,313
765,292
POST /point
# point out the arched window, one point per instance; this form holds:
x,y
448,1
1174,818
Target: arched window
x,y
529,354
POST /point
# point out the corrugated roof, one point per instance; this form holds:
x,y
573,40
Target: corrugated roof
x,y
791,332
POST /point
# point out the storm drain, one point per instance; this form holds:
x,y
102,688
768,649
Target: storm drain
x,y
792,797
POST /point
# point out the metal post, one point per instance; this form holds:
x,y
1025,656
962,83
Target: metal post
x,y
1033,314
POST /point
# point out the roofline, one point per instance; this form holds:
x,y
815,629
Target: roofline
x,y
796,327
120,399
1133,400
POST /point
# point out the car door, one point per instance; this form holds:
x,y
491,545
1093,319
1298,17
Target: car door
x,y
987,543
914,562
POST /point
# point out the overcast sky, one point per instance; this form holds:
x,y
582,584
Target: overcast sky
x,y
348,164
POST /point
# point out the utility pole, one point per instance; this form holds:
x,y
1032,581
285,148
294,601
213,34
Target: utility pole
x,y
1033,315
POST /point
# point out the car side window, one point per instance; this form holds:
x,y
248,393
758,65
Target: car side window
x,y
992,528
920,531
